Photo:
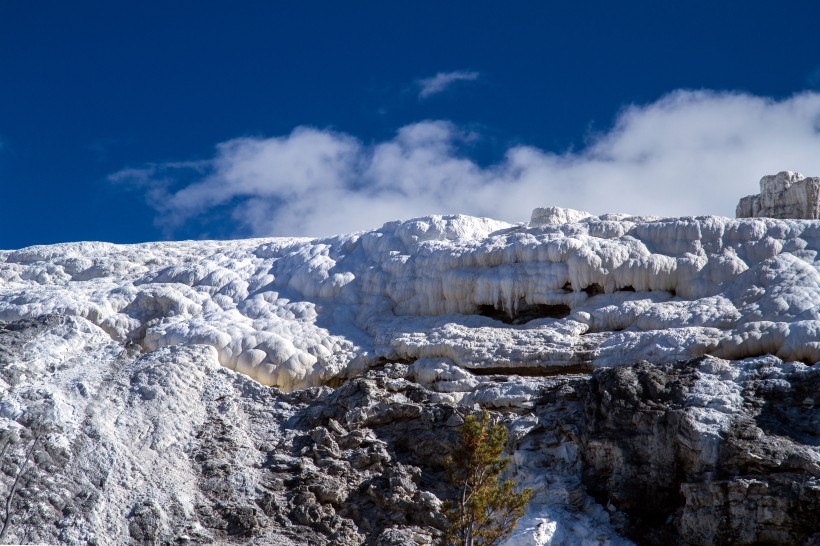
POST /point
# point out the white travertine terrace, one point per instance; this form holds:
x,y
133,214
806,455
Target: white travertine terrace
x,y
598,291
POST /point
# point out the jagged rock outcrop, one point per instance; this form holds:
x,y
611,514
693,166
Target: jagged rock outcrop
x,y
706,452
783,195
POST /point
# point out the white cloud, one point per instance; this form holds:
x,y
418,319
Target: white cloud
x,y
689,153
441,81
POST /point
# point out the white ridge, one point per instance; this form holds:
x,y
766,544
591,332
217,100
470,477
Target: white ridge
x,y
298,312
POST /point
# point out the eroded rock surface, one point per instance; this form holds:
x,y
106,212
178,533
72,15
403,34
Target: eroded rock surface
x,y
170,447
783,195
708,452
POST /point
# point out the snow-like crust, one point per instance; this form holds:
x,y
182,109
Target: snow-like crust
x,y
299,312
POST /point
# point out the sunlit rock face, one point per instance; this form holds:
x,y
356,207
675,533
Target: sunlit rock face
x,y
480,294
631,358
783,195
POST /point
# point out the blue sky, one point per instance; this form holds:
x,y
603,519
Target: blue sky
x,y
129,122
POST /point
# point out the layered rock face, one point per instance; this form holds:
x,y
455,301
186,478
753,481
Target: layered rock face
x,y
783,195
657,376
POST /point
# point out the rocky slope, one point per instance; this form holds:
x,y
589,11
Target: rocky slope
x,y
657,376
168,447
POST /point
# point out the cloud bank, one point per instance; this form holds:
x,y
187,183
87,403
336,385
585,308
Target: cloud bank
x,y
441,81
689,153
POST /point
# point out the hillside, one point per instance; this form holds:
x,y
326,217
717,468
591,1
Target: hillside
x,y
657,375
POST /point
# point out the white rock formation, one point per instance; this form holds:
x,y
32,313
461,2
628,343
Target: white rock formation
x,y
783,195
550,216
110,376
297,312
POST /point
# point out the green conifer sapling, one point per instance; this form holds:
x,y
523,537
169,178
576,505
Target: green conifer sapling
x,y
486,510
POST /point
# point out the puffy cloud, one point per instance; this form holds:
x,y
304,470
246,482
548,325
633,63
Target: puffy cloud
x,y
689,153
441,81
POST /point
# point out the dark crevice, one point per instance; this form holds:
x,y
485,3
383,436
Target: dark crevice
x,y
383,360
541,371
525,312
594,289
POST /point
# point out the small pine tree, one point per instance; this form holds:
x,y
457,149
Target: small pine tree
x,y
485,512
